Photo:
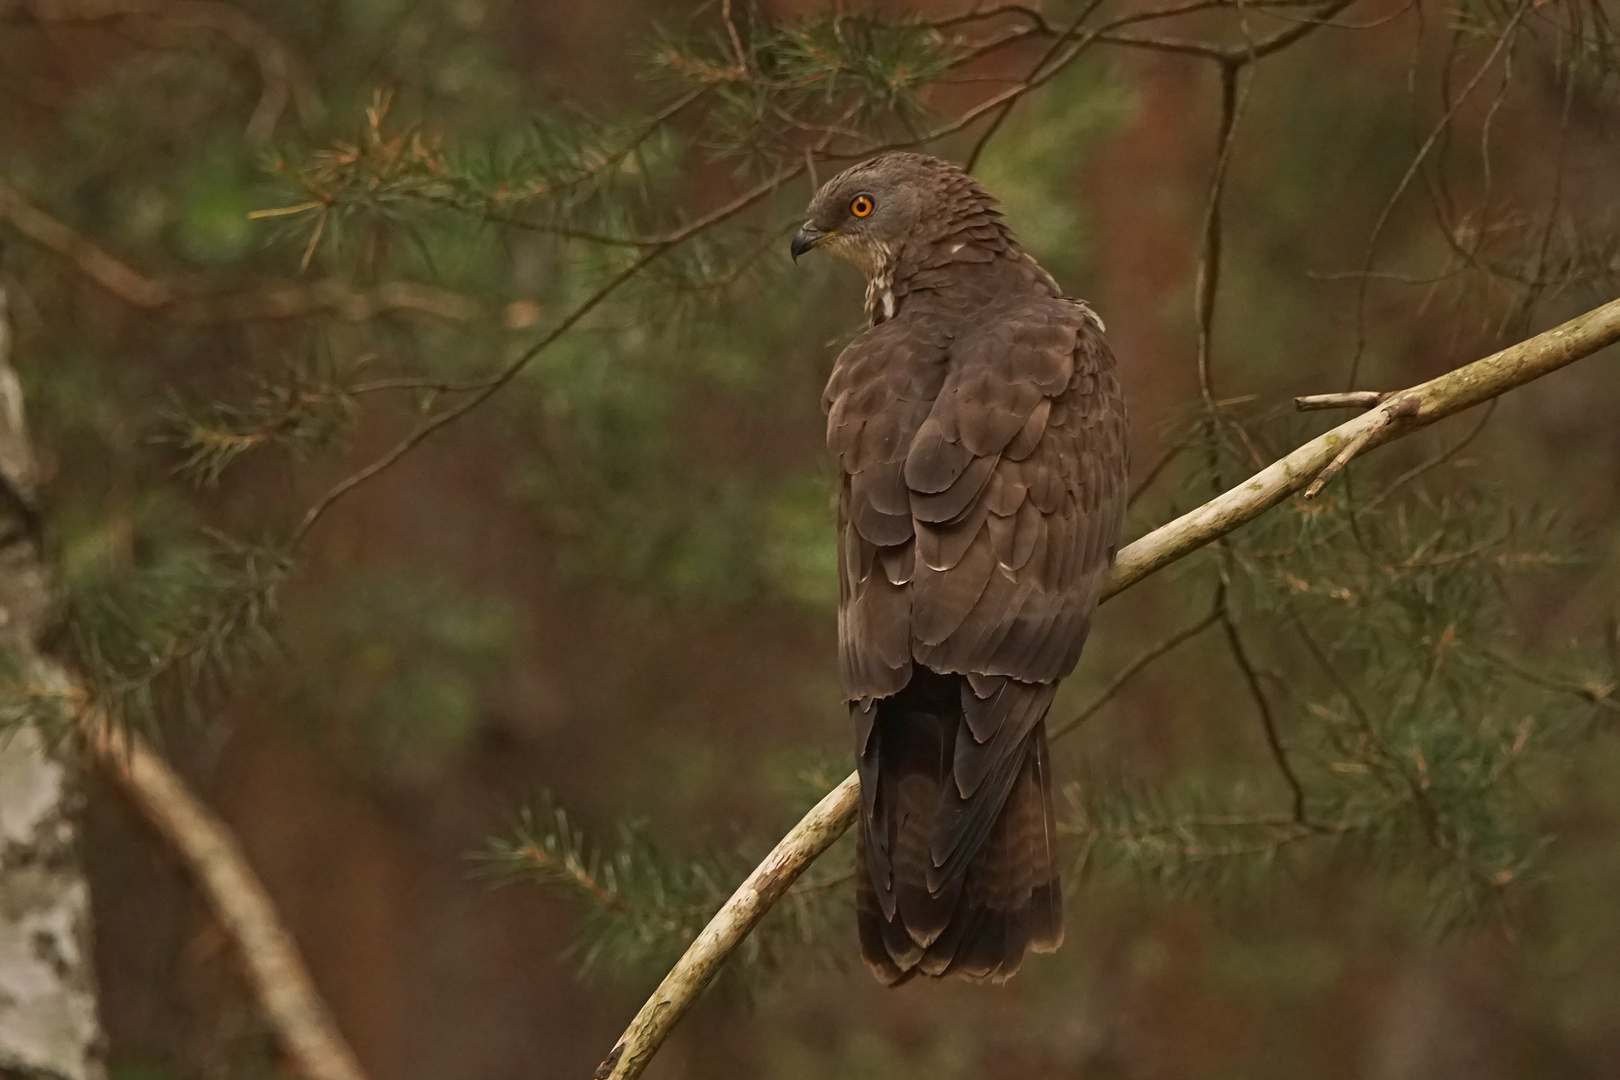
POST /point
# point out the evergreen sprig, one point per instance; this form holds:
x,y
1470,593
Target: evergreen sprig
x,y
644,901
307,409
1418,728
151,640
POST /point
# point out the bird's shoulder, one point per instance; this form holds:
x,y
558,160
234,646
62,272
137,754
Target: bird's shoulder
x,y
1045,339
900,359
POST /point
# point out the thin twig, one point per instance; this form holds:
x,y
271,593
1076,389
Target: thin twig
x,y
1331,670
1157,470
1046,58
1355,399
282,77
1600,695
1383,417
1209,256
1130,670
1440,128
1226,54
1268,722
493,385
1438,398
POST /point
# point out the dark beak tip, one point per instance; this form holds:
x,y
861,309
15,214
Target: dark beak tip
x,y
802,242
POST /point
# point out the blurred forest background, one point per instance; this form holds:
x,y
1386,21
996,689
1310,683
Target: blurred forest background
x,y
249,247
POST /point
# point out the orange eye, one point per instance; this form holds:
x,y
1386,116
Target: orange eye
x,y
861,206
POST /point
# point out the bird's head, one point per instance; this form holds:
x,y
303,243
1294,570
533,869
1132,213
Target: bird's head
x,y
867,211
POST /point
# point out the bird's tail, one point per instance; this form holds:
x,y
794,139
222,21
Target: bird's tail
x,y
947,884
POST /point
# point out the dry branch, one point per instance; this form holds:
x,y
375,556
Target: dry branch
x,y
1355,399
1400,414
814,834
277,974
280,981
263,302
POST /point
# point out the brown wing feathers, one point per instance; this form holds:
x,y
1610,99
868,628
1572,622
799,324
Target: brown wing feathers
x,y
977,527
980,433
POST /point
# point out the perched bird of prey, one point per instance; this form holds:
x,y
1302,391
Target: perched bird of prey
x,y
980,432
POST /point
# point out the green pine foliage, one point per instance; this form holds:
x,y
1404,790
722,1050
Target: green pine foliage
x,y
152,641
643,902
305,410
1423,735
1404,728
1418,729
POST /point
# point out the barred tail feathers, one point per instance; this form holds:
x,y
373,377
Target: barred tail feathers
x,y
949,884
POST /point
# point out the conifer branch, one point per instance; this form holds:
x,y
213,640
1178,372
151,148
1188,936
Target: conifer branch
x,y
1434,400
491,386
268,302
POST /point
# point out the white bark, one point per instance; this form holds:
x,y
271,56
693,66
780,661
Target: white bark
x,y
49,1024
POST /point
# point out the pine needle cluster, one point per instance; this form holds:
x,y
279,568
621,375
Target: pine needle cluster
x,y
643,901
150,643
306,410
1412,727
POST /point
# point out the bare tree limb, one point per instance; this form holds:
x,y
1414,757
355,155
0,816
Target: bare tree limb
x,y
1130,670
1382,418
267,302
1414,408
814,834
48,1023
269,955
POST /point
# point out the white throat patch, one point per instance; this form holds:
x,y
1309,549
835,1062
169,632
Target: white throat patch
x,y
880,304
876,262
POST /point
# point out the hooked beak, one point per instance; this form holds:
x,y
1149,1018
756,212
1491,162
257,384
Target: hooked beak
x,y
806,238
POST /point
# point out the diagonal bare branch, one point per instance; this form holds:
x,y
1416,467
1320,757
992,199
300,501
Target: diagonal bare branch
x,y
1419,406
1130,670
280,981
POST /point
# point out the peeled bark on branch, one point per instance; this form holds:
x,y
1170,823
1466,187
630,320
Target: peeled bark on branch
x,y
1396,415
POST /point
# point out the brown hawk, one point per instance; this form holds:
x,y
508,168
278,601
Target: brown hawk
x,y
980,433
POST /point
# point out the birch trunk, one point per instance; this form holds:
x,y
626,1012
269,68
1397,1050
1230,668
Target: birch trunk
x,y
49,1024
